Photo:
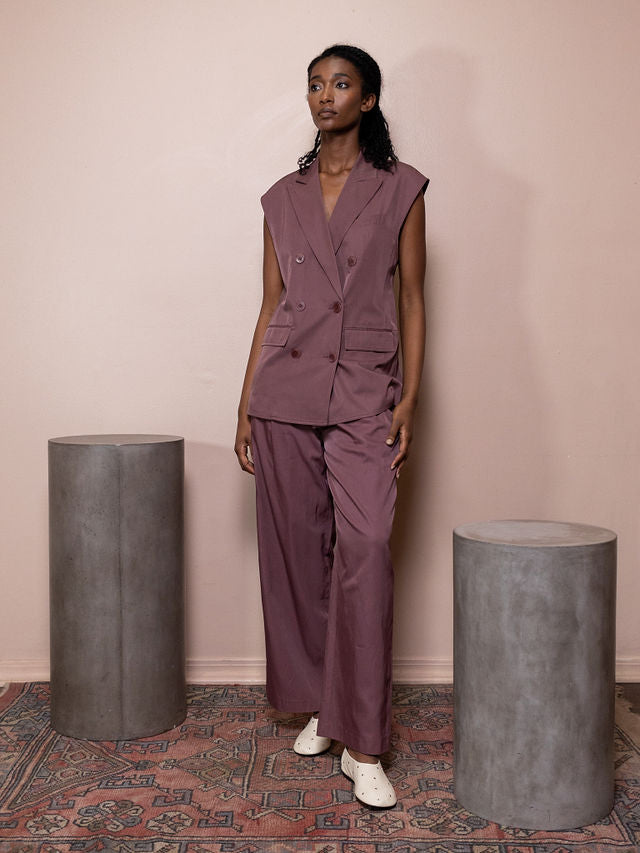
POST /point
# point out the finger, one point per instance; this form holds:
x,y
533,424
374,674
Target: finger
x,y
393,433
397,461
249,467
245,463
400,466
403,448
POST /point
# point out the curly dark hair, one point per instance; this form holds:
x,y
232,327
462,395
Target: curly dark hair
x,y
374,131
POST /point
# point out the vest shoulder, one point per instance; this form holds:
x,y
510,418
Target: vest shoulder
x,y
406,172
281,184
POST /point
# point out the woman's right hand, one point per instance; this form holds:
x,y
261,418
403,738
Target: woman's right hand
x,y
243,444
272,292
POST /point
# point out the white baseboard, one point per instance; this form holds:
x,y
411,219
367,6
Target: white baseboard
x,y
252,670
219,671
627,670
408,671
24,670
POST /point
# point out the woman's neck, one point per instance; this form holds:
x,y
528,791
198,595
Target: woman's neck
x,y
338,153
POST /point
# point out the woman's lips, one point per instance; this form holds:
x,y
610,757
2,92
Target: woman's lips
x,y
327,113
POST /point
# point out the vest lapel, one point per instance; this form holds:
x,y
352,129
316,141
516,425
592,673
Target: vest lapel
x,y
306,197
326,238
362,184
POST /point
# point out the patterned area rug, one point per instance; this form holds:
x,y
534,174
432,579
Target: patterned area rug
x,y
227,781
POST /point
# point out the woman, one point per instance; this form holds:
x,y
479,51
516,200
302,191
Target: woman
x,y
326,414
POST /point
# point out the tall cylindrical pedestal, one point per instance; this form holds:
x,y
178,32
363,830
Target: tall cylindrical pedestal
x,y
116,584
534,670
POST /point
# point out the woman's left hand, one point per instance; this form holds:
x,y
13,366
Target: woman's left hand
x,y
401,425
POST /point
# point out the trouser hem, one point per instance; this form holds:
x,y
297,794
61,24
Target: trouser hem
x,y
297,706
354,739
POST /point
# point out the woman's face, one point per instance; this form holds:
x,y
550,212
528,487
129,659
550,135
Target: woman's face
x,y
335,95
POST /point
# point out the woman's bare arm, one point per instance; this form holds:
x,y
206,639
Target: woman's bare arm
x,y
272,285
412,265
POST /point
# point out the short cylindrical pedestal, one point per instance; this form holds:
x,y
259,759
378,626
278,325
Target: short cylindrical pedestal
x,y
534,672
116,583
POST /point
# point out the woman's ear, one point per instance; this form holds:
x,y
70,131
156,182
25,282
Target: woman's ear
x,y
368,103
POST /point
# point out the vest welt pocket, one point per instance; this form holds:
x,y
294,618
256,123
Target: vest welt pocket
x,y
373,340
276,336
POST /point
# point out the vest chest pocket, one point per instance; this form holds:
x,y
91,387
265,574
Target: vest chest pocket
x,y
276,336
370,340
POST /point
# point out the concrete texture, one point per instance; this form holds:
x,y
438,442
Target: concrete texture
x,y
116,585
534,692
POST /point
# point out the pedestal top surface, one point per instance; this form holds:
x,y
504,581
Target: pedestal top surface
x,y
115,438
529,532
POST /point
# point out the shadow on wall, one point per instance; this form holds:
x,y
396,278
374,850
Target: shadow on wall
x,y
481,443
221,569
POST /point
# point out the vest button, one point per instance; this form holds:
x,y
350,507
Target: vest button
x,y
295,353
331,356
352,261
337,307
299,258
301,306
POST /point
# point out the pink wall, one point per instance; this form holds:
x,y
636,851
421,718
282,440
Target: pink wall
x,y
137,138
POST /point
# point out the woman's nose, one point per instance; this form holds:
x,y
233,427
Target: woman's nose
x,y
326,96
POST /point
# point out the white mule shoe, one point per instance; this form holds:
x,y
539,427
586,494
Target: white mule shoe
x,y
309,742
371,785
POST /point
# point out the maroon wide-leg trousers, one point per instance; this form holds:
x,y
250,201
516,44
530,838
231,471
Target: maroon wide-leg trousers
x,y
325,500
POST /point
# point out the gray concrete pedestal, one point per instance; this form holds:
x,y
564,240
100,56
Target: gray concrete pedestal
x,y
534,672
116,585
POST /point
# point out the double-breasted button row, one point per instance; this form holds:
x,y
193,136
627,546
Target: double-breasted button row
x,y
352,260
336,307
295,353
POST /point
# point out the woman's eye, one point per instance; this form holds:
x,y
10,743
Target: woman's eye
x,y
342,84
314,87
